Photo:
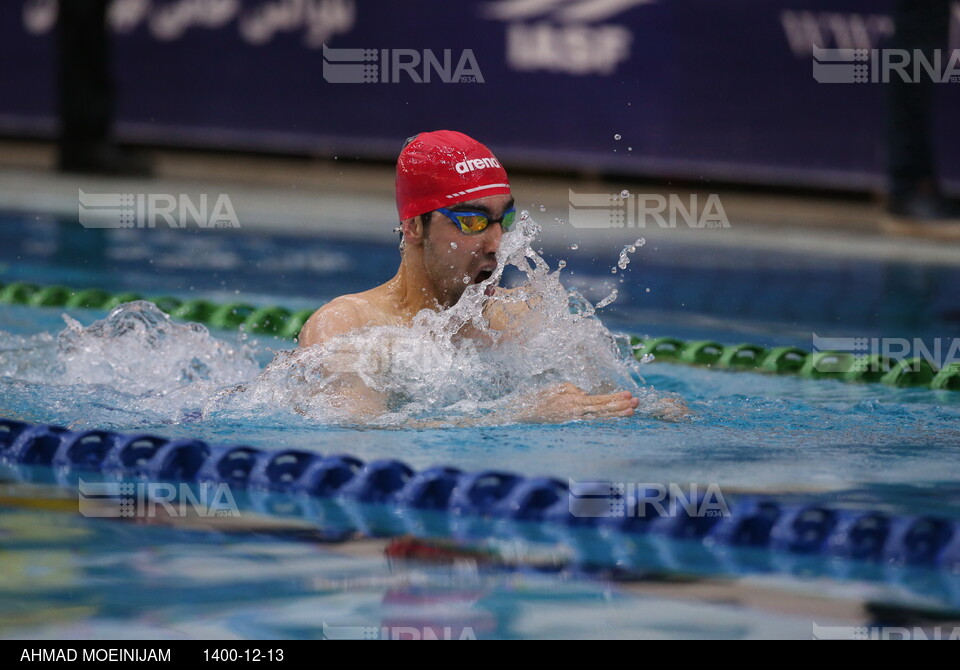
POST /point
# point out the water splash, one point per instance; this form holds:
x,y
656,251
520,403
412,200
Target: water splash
x,y
135,367
138,349
474,359
624,259
609,299
482,355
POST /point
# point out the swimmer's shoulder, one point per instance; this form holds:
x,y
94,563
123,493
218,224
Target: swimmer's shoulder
x,y
339,316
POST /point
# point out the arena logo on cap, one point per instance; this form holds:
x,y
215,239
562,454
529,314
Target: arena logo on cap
x,y
464,167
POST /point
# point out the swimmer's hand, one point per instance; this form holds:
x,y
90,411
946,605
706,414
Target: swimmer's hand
x,y
670,409
566,402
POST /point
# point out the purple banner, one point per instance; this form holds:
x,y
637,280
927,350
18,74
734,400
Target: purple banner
x,y
690,88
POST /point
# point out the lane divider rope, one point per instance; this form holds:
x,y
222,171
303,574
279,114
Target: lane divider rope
x,y
753,522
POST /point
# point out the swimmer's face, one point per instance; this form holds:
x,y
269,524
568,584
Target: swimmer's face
x,y
450,255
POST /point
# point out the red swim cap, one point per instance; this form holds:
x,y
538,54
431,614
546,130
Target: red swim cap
x,y
444,168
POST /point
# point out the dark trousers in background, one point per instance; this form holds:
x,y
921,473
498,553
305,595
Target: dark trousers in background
x,y
84,79
911,159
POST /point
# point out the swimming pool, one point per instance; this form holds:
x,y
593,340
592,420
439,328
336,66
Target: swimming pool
x,y
865,446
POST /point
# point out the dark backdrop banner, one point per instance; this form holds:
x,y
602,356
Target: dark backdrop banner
x,y
713,89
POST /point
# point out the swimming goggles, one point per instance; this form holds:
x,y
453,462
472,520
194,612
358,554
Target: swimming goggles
x,y
471,223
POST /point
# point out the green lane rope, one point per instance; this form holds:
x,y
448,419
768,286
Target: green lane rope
x,y
268,320
285,323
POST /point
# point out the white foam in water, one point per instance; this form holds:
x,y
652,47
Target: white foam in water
x,y
136,361
448,364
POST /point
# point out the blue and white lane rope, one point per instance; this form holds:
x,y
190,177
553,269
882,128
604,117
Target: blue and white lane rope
x,y
754,522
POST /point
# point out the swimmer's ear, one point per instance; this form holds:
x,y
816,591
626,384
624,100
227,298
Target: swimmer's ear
x,y
412,230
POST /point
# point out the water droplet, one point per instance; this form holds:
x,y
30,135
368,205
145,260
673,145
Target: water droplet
x,y
574,246
543,208
606,301
624,193
617,136
453,245
648,290
613,270
629,148
466,279
561,264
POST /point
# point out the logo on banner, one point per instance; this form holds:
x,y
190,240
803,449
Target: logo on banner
x,y
805,29
566,36
391,66
256,23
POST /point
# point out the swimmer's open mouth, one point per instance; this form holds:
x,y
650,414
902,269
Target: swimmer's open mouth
x,y
483,276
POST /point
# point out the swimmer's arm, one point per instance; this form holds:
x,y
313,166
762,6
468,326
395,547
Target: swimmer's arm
x,y
506,314
344,388
567,402
557,404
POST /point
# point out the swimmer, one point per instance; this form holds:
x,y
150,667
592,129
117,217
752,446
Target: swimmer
x,y
455,204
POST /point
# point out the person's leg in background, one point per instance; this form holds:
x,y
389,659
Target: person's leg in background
x,y
914,190
86,94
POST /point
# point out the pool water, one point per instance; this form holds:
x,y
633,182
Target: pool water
x,y
871,446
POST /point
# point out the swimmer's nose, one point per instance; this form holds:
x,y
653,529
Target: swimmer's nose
x,y
491,238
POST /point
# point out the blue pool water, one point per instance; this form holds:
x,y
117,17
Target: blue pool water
x,y
871,446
